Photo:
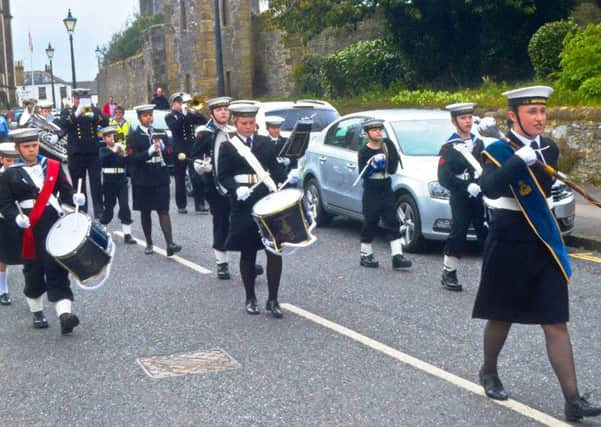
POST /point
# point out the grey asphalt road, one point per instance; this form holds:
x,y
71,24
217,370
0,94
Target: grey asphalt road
x,y
292,371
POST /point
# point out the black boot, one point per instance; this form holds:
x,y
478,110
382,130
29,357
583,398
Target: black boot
x,y
493,387
149,250
173,248
274,308
258,269
449,280
223,271
68,322
39,320
5,299
580,408
128,239
399,261
368,261
252,307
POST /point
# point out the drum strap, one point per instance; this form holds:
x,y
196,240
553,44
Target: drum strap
x,y
28,250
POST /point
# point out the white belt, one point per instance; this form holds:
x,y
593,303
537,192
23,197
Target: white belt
x,y
113,170
463,176
246,178
509,203
154,159
378,175
27,204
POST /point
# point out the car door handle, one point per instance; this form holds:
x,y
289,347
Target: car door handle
x,y
351,166
322,159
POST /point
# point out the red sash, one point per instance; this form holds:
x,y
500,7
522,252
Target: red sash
x,y
28,250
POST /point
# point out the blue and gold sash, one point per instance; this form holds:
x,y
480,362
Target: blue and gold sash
x,y
533,204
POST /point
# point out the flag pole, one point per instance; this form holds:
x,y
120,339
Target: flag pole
x,y
31,62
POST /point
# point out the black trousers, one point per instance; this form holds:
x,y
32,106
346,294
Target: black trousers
x,y
220,210
465,210
79,164
44,274
114,192
198,188
179,171
379,205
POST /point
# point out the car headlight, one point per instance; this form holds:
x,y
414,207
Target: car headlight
x,y
560,191
437,191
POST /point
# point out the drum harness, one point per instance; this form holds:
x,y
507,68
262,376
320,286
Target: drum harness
x,y
262,175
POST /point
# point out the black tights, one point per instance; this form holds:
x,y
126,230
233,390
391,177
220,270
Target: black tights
x,y
559,351
248,260
164,221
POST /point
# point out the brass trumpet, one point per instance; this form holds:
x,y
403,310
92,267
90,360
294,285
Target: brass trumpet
x,y
196,104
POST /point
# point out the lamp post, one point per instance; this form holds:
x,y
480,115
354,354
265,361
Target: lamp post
x,y
50,54
70,22
218,49
98,55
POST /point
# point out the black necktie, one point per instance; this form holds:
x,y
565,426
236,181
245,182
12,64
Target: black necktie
x,y
249,142
534,145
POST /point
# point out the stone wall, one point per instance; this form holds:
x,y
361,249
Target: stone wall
x,y
126,81
580,143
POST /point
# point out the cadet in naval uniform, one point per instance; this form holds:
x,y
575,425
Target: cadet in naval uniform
x,y
525,265
38,185
379,159
458,171
10,244
114,182
81,123
237,177
150,177
274,128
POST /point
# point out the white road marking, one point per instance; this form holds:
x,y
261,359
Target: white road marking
x,y
198,268
511,404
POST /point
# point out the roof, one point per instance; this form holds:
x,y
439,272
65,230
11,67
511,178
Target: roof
x,y
41,78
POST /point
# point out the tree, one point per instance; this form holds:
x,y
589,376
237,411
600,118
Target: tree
x,y
129,41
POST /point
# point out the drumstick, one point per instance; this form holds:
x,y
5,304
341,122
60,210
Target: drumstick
x,y
19,208
79,191
364,169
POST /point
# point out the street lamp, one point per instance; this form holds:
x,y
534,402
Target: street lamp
x,y
98,55
70,22
50,54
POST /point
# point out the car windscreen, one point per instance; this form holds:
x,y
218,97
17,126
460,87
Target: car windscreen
x,y
158,119
422,137
321,117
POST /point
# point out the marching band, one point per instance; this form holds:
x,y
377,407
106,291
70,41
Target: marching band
x,y
242,176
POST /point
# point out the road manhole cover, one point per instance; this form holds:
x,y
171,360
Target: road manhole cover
x,y
200,362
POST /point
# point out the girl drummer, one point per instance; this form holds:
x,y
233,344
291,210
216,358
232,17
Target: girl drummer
x,y
8,233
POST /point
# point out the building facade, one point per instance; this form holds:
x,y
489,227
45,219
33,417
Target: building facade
x,y
41,89
7,70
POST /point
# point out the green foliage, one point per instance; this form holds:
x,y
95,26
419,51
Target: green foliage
x,y
308,76
581,60
128,42
546,45
591,88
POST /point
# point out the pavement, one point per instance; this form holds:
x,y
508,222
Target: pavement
x,y
587,227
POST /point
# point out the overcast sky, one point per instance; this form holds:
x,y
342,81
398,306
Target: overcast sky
x,y
97,21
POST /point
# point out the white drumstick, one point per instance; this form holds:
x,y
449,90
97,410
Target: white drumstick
x,y
19,208
79,191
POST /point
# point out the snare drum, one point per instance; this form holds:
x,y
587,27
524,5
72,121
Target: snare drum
x,y
284,221
80,245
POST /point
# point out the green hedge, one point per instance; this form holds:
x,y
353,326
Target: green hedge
x,y
581,62
546,44
128,42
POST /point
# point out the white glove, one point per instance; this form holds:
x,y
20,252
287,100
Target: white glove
x,y
184,110
473,189
79,110
79,199
379,158
90,114
202,166
53,139
151,150
378,161
118,147
294,176
527,154
243,193
284,161
22,221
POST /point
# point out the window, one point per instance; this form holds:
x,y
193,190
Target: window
x,y
183,18
344,133
225,13
63,92
320,116
187,84
228,83
42,92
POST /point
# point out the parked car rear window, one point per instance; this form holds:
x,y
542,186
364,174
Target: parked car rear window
x,y
321,117
158,119
422,137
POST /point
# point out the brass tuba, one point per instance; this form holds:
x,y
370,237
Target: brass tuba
x,y
51,144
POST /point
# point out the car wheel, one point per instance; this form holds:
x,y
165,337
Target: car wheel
x,y
189,187
411,226
314,203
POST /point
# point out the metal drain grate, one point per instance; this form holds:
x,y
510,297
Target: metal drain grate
x,y
200,362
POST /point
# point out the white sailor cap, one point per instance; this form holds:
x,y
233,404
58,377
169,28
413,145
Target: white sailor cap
x,y
203,128
108,130
528,95
45,104
80,91
222,101
8,149
461,108
24,135
176,97
274,121
244,109
372,124
144,108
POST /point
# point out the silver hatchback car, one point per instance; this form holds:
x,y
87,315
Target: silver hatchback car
x,y
330,169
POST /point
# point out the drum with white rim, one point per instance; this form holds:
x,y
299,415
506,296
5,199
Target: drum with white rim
x,y
83,247
284,221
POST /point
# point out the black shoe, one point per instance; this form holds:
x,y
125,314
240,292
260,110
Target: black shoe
x,y
182,211
369,261
252,306
173,248
202,210
223,271
149,250
580,408
493,387
449,281
5,299
258,269
399,261
39,320
274,308
128,239
68,322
